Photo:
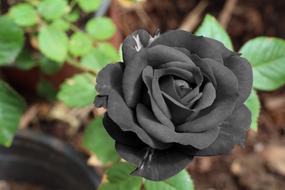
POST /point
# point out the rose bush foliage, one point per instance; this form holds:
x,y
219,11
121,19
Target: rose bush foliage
x,y
175,96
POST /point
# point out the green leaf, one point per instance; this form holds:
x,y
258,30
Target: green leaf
x,y
25,60
253,105
12,106
53,43
73,16
23,14
119,178
89,5
11,40
182,181
52,9
101,28
48,66
267,57
79,44
211,28
97,140
46,90
99,57
78,91
110,51
60,24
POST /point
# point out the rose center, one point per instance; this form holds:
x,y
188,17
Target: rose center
x,y
181,83
182,87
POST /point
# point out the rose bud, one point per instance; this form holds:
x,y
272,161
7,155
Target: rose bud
x,y
175,96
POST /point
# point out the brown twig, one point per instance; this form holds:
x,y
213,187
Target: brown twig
x,y
194,17
29,115
226,13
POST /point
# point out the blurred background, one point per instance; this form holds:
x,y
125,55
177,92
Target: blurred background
x,y
60,51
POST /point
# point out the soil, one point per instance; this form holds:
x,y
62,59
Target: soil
x,y
258,166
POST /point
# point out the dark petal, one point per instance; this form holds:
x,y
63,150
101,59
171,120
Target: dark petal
x,y
195,71
184,50
161,54
144,37
205,68
147,78
187,99
159,114
122,115
110,77
132,154
125,137
179,112
224,104
243,71
182,91
135,59
129,44
154,164
145,97
147,56
166,135
157,95
208,97
233,131
202,46
174,71
132,78
101,101
167,86
238,124
174,101
219,47
193,101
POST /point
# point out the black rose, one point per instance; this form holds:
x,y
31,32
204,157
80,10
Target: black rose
x,y
175,96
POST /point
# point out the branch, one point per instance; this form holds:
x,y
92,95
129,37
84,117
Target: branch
x,y
226,13
194,17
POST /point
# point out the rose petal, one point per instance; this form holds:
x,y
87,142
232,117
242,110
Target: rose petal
x,y
205,68
167,86
195,71
166,135
179,112
208,97
101,101
109,82
233,131
202,46
132,78
122,115
157,96
187,99
151,56
160,115
129,45
124,137
154,164
193,100
161,54
174,71
243,71
110,77
184,50
224,104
